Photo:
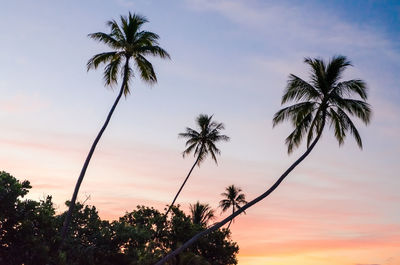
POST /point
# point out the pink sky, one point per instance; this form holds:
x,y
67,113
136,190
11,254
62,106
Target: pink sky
x,y
340,206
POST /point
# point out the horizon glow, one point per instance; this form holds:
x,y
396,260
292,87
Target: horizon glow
x,y
230,59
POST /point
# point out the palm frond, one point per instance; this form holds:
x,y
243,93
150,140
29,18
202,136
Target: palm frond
x,y
189,149
116,32
294,139
335,68
225,204
317,74
146,39
294,112
131,25
145,69
358,108
350,125
190,133
106,39
213,156
339,127
297,89
111,71
352,86
100,58
201,213
154,51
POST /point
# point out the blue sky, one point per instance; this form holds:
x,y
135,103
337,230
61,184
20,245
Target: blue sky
x,y
230,59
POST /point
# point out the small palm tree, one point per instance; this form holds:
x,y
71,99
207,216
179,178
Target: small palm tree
x,y
201,143
325,99
130,45
201,213
233,198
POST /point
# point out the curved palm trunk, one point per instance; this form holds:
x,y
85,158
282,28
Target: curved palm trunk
x,y
183,184
245,207
67,219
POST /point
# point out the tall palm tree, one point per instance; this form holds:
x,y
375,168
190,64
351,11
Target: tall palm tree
x,y
233,198
129,46
324,100
201,143
201,213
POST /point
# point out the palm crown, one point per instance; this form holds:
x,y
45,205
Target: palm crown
x,y
325,99
201,213
233,198
202,142
127,41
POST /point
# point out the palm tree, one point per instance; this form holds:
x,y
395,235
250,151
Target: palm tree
x,y
325,99
129,46
234,199
201,143
201,213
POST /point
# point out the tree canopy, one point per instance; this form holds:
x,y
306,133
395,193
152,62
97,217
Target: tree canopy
x,y
29,234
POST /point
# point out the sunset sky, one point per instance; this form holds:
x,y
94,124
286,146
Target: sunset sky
x,y
230,58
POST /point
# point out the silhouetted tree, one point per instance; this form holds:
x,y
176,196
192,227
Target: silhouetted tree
x,y
29,231
201,143
325,99
233,198
130,45
27,228
201,213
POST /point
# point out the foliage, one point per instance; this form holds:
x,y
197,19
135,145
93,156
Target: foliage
x,y
29,234
127,41
232,198
325,99
27,228
202,142
201,213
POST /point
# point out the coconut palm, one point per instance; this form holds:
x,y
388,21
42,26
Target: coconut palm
x,y
324,100
201,143
201,213
130,45
233,198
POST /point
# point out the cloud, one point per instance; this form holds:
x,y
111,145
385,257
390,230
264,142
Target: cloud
x,y
291,22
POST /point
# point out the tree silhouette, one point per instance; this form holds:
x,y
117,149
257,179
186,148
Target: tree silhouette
x,y
29,232
233,198
201,213
130,45
201,143
325,99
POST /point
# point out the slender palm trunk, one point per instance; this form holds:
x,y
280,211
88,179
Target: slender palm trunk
x,y
245,207
67,219
183,184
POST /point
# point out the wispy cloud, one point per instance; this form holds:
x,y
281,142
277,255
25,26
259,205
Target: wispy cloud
x,y
292,22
